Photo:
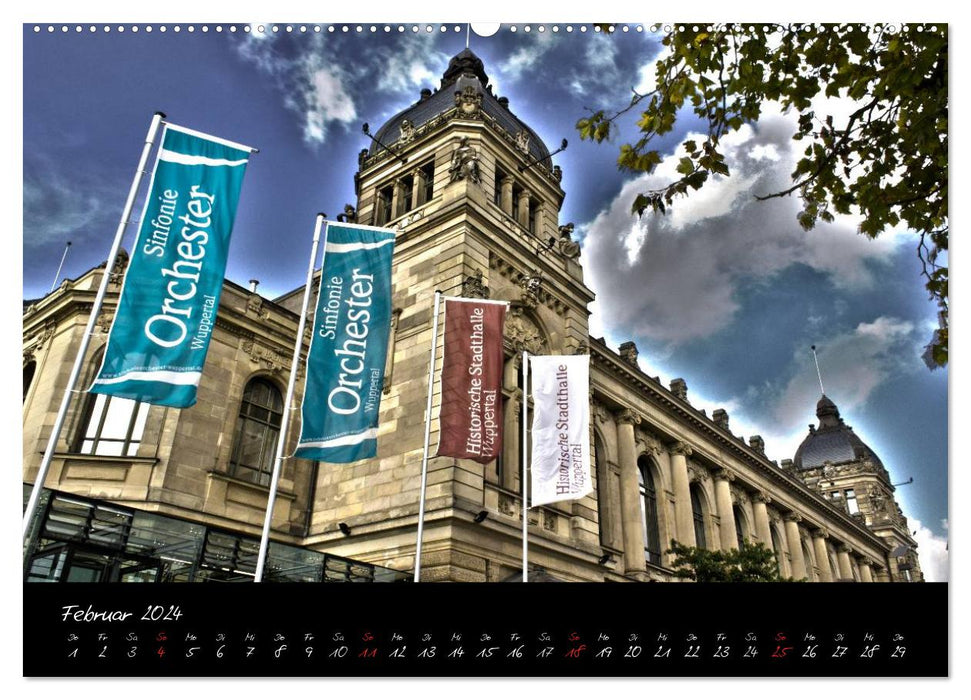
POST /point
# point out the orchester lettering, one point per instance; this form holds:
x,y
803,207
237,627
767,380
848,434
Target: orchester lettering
x,y
168,328
345,398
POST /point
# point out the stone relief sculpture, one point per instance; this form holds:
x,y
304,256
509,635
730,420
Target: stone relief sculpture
x,y
465,163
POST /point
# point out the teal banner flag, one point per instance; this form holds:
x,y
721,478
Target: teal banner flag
x,y
345,365
167,310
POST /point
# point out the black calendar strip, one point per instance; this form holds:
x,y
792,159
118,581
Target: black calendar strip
x,y
329,630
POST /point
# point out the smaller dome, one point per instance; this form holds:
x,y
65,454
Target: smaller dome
x,y
833,441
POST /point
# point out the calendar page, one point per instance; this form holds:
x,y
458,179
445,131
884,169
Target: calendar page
x,y
513,330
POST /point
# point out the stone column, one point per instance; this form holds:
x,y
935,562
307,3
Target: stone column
x,y
723,501
398,205
866,573
511,430
539,228
843,557
795,546
822,555
506,198
762,528
524,209
421,181
630,492
684,520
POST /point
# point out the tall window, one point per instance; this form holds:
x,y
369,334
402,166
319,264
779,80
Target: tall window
x,y
257,432
739,530
112,426
382,205
777,548
500,176
29,370
851,505
652,534
428,171
699,518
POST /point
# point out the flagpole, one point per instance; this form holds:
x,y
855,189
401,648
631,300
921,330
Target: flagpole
x,y
92,319
57,275
428,426
525,462
291,384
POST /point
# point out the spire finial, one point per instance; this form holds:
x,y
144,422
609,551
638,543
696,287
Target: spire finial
x,y
468,31
818,374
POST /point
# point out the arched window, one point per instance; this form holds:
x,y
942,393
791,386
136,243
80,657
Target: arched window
x,y
29,370
777,548
739,529
699,517
603,498
111,426
652,534
257,432
807,555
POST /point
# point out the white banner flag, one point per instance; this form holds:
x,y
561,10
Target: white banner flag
x,y
561,428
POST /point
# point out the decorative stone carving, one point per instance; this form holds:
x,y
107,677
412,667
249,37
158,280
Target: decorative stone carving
x,y
349,214
522,141
254,305
465,163
567,247
681,448
507,505
720,416
600,412
264,356
841,548
472,287
549,521
761,497
361,158
407,132
792,517
821,532
697,474
105,319
757,443
557,173
723,474
651,444
628,353
627,415
582,348
530,285
679,388
522,332
469,101
118,269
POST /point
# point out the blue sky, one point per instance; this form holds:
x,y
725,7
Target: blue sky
x,y
726,292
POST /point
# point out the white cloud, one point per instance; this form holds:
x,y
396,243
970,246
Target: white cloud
x,y
57,208
685,268
526,56
932,551
317,82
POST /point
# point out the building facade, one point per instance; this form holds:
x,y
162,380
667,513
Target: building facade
x,y
475,200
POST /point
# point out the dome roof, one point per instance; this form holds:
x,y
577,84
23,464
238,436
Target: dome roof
x,y
833,441
464,70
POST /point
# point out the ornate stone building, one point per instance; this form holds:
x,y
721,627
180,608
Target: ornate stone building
x,y
475,199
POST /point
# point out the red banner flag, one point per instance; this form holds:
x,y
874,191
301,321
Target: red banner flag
x,y
471,416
